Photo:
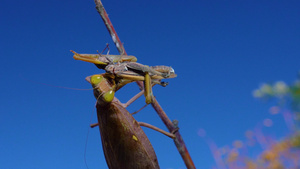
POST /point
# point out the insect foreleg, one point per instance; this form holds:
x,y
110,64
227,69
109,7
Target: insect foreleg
x,y
148,88
171,135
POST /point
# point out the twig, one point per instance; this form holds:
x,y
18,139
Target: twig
x,y
181,147
110,27
171,127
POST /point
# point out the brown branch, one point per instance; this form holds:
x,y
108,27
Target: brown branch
x,y
171,127
181,147
110,27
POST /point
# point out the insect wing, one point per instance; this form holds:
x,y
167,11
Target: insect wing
x,y
124,143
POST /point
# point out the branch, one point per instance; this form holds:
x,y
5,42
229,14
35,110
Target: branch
x,y
110,27
171,127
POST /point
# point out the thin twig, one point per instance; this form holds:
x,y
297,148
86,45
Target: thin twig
x,y
171,127
110,27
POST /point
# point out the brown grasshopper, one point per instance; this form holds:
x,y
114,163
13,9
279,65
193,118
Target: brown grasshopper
x,y
102,60
125,67
124,143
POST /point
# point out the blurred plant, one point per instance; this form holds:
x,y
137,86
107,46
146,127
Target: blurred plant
x,y
274,154
287,95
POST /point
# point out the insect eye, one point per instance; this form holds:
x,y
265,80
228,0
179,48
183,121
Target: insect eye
x,y
109,96
96,79
172,70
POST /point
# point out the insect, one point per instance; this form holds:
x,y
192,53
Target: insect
x,y
124,143
102,60
125,67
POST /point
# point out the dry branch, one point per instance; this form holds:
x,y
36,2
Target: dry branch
x,y
171,127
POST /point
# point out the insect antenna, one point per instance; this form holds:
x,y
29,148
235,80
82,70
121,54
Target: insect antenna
x,y
108,50
139,109
86,142
55,86
88,132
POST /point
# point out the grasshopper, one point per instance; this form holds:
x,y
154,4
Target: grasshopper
x,y
103,60
148,75
125,67
124,143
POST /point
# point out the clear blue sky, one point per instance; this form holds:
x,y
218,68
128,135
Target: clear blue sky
x,y
221,51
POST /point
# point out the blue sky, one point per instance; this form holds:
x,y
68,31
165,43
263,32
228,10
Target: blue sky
x,y
221,51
